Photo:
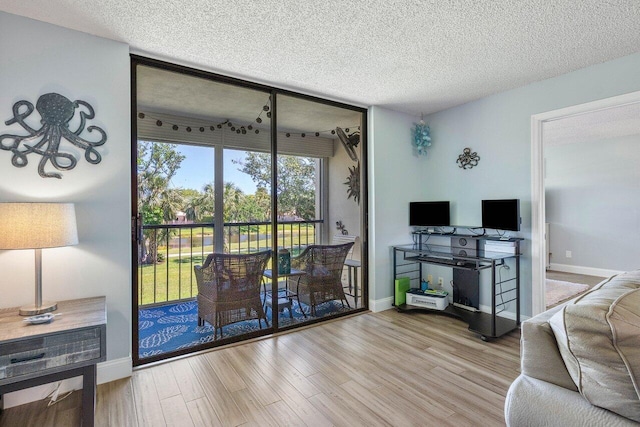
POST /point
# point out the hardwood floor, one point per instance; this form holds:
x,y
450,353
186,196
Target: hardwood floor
x,y
374,369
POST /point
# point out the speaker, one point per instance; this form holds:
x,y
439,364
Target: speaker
x,y
464,246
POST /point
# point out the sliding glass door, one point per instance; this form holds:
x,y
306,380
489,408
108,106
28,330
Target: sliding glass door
x,y
195,198
319,213
248,210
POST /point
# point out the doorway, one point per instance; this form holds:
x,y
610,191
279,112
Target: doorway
x,y
549,125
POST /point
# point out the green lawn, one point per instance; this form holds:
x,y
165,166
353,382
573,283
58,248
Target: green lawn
x,y
169,280
174,279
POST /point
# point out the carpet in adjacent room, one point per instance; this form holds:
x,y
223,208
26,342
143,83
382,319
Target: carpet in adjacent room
x,y
557,291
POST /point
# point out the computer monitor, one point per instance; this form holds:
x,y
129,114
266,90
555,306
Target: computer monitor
x,y
501,214
424,214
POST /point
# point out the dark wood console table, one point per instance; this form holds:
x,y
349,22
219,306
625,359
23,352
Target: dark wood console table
x,y
70,346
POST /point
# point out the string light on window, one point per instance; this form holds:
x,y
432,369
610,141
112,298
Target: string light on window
x,y
316,133
237,129
202,129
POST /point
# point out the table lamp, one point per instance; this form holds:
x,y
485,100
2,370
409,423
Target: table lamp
x,y
37,226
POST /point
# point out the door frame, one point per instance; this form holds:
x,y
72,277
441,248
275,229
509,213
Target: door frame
x,y
538,252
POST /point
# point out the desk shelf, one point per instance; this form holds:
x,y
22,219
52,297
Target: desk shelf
x,y
479,322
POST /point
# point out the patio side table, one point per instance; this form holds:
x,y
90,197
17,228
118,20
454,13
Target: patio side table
x,y
286,300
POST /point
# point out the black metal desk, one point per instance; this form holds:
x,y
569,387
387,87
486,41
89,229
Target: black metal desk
x,y
408,259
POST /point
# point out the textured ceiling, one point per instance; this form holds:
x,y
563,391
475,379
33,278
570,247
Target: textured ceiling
x,y
162,91
412,56
593,126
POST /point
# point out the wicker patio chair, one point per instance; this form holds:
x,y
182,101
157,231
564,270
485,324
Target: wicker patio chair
x,y
229,289
322,282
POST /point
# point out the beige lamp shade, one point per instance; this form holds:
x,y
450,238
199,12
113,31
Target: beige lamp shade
x,y
37,225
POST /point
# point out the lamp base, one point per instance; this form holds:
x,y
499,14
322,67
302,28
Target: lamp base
x,y
32,310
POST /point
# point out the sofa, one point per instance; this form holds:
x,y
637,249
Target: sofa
x,y
580,361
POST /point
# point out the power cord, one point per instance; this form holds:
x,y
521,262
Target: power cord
x,y
417,236
53,396
444,232
53,402
504,235
473,232
502,303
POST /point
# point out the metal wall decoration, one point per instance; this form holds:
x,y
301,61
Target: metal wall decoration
x,y
467,159
353,182
56,112
341,228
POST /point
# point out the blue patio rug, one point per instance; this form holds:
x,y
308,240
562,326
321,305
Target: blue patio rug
x,y
174,327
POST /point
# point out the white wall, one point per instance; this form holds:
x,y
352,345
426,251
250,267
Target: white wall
x,y
341,208
592,203
396,177
39,58
498,128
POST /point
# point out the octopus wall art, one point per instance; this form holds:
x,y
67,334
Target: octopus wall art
x,y
467,159
56,112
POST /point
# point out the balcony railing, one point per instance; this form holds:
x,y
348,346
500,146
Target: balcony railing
x,y
170,277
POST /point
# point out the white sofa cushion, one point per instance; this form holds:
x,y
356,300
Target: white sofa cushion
x,y
531,402
598,335
539,354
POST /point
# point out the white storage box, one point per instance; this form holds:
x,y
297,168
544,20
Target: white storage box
x,y
498,247
427,301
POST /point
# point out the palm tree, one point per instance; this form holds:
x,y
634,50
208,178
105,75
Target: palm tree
x,y
207,200
199,207
157,164
233,200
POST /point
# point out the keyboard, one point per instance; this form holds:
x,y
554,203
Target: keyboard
x,y
438,260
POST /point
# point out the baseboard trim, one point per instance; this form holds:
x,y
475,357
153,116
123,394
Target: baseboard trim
x,y
588,271
108,371
381,304
116,369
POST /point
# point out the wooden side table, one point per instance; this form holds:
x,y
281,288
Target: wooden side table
x,y
70,346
